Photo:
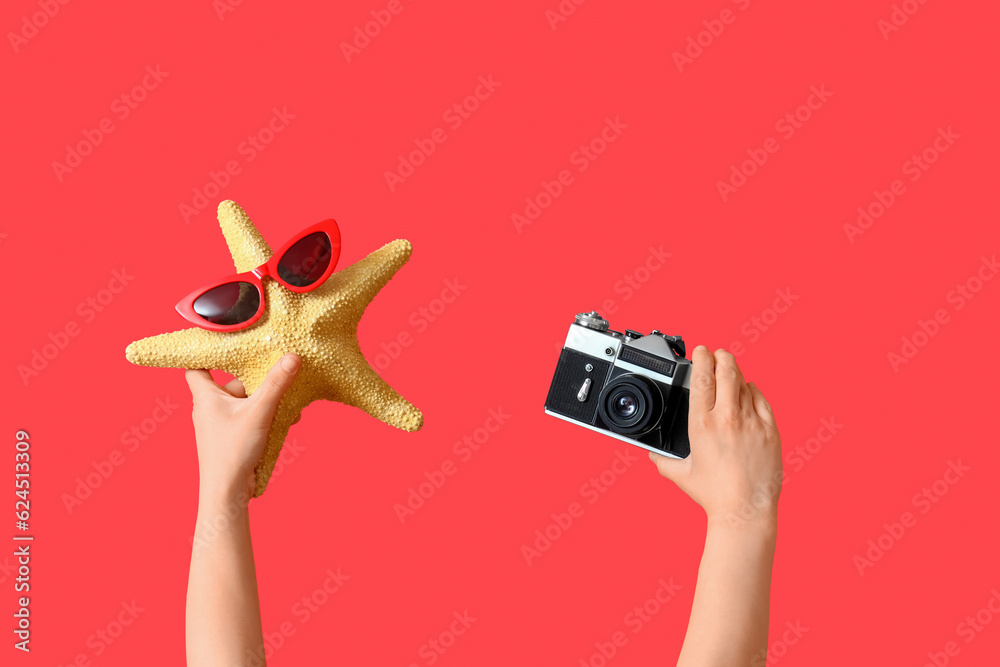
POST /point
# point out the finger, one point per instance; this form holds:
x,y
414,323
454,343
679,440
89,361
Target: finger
x,y
235,387
702,380
200,381
746,398
671,468
761,406
728,381
274,386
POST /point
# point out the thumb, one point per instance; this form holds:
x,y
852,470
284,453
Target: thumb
x,y
671,468
274,386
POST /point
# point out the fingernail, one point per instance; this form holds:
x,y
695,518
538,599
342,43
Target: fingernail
x,y
289,363
652,456
700,347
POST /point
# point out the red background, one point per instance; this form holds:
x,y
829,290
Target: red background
x,y
496,345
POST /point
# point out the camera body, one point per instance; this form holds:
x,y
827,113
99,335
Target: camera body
x,y
629,386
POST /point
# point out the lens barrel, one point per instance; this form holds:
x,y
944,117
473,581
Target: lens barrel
x,y
630,405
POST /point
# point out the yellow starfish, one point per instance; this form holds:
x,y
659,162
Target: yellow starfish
x,y
320,326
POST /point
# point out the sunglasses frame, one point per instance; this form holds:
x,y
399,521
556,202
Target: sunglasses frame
x,y
255,277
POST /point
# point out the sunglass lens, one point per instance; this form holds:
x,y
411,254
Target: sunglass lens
x,y
306,261
231,303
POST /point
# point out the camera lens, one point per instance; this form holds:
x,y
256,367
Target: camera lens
x,y
631,405
625,405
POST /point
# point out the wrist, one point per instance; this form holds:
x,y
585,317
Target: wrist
x,y
231,496
753,520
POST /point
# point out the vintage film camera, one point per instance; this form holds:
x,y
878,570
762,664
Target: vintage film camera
x,y
629,386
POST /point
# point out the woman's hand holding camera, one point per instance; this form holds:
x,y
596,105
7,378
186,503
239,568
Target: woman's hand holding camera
x,y
734,469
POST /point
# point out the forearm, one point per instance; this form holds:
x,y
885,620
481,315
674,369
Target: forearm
x,y
730,611
223,625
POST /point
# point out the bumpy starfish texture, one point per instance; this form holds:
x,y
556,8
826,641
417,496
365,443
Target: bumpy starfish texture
x,y
320,326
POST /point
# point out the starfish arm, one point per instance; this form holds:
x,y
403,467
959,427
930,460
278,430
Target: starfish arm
x,y
299,395
246,245
368,391
350,290
188,348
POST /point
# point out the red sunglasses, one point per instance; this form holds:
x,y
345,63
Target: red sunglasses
x,y
236,302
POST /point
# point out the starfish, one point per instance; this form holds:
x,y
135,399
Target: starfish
x,y
320,326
